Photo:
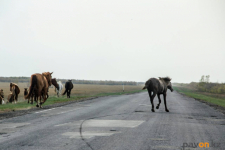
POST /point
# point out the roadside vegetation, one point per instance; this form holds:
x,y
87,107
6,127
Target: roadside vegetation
x,y
80,91
204,90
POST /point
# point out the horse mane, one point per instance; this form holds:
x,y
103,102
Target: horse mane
x,y
165,78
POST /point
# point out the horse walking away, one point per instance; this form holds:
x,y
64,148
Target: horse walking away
x,y
1,100
2,97
39,85
58,86
157,87
32,97
68,88
15,91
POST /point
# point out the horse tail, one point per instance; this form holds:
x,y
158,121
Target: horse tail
x,y
64,92
33,83
66,86
144,87
147,83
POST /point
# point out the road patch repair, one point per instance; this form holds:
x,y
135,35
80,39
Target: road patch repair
x,y
11,127
58,111
100,124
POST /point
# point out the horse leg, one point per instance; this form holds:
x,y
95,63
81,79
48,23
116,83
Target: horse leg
x,y
32,100
164,96
157,107
16,98
37,96
13,100
40,101
45,97
69,93
151,99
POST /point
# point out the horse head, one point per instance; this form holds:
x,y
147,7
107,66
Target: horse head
x,y
54,82
48,76
168,82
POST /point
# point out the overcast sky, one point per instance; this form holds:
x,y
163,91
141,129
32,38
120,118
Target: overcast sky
x,y
130,40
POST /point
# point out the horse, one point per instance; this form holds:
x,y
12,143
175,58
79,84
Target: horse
x,y
68,88
25,93
1,100
15,91
2,97
39,85
10,98
58,86
32,97
158,86
2,93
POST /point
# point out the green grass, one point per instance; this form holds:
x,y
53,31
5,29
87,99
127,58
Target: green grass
x,y
54,99
194,94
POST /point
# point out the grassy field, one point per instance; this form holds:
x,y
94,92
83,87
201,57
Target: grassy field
x,y
208,97
79,91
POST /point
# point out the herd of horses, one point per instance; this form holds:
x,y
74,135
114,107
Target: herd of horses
x,y
40,83
38,90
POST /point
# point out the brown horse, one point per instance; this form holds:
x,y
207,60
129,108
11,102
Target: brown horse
x,y
1,100
1,96
15,91
32,97
10,98
39,85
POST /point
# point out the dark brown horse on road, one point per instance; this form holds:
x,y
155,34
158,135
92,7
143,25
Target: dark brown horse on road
x,y
39,84
158,86
68,88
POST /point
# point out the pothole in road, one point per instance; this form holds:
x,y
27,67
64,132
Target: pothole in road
x,y
159,139
139,111
213,116
200,119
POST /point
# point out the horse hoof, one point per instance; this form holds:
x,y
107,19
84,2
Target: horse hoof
x,y
167,110
157,107
37,105
153,110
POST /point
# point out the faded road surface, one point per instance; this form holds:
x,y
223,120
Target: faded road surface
x,y
116,123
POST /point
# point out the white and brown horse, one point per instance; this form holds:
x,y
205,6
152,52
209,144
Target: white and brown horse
x,y
157,87
58,86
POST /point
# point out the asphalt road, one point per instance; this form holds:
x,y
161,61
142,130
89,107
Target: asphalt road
x,y
117,123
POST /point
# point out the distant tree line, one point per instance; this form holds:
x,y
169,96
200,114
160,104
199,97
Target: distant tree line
x,y
205,86
75,81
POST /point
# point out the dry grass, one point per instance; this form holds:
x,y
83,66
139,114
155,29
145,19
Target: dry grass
x,y
78,90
